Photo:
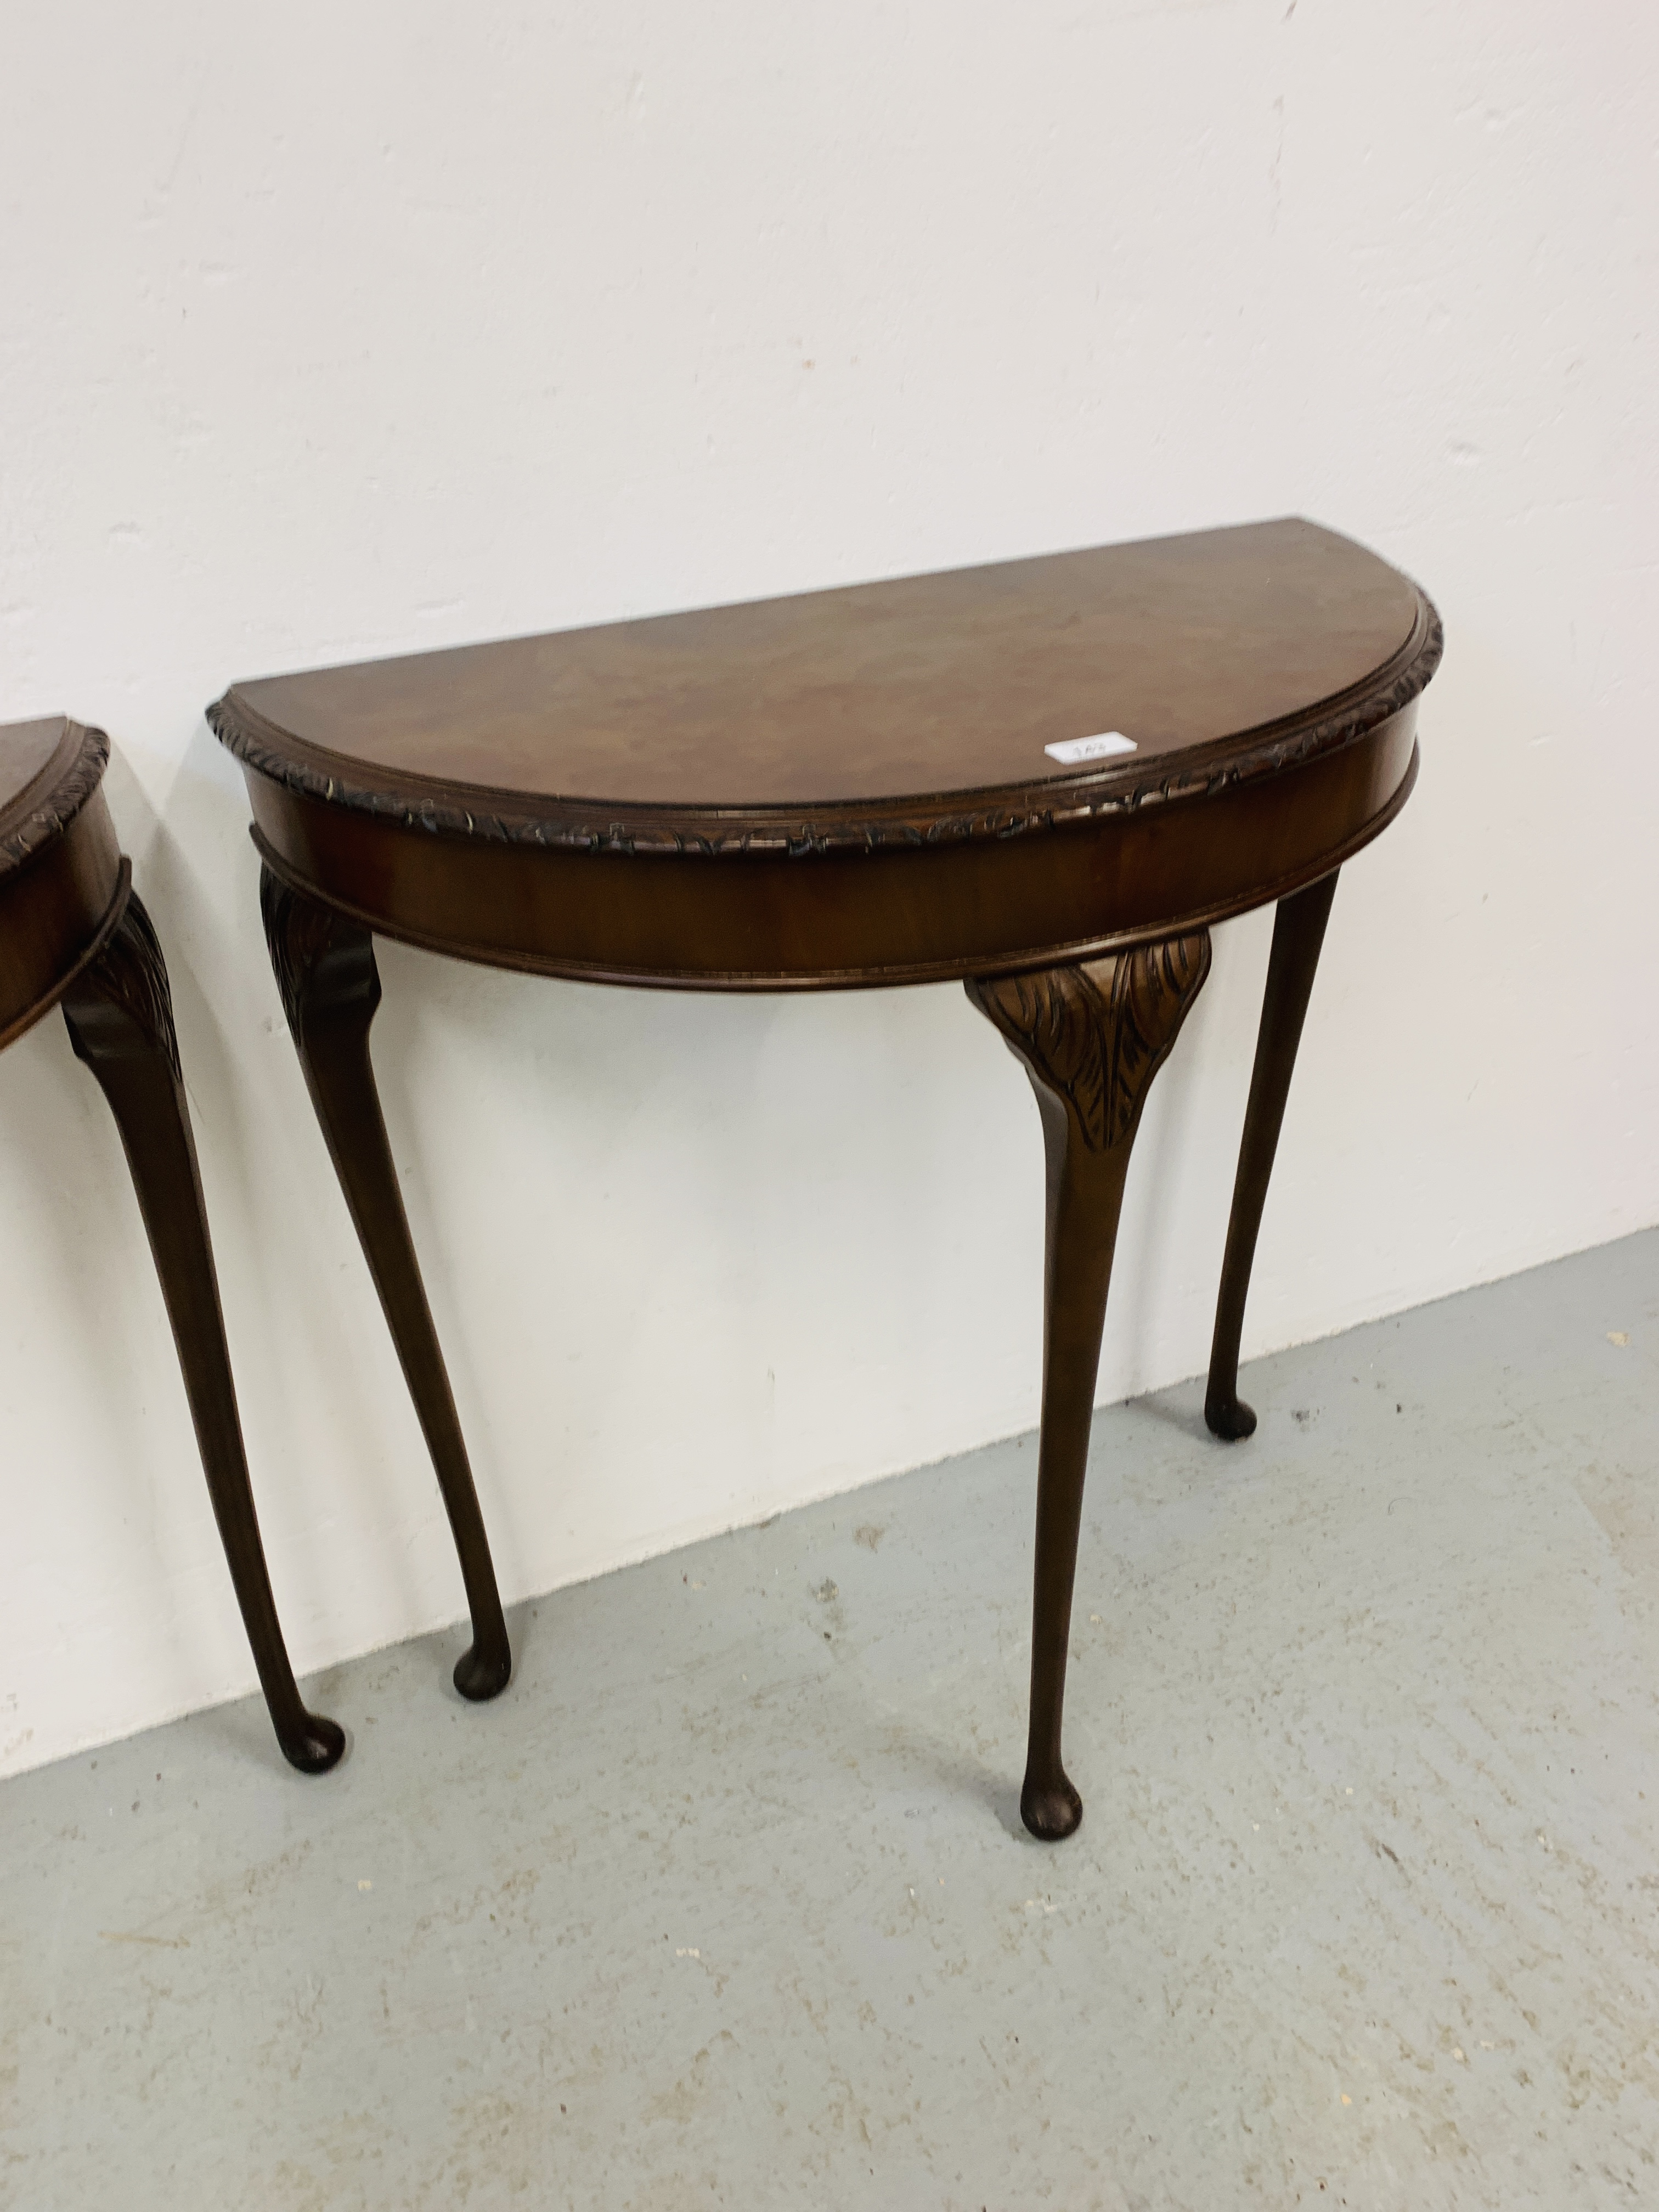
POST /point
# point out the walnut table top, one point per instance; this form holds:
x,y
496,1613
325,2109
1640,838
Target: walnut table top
x,y
944,775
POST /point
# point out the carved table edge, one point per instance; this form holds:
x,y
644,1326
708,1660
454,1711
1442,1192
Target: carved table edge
x,y
1023,960
1013,811
47,823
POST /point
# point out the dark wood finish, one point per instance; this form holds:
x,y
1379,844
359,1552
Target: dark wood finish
x,y
119,1015
890,736
884,702
72,930
1298,933
851,788
331,989
60,868
1091,1038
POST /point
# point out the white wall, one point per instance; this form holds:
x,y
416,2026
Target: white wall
x,y
329,332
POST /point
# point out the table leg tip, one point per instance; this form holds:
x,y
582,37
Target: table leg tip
x,y
1229,1418
317,1744
1051,1810
481,1675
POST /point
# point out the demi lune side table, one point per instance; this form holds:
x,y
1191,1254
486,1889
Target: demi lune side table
x,y
74,932
1045,779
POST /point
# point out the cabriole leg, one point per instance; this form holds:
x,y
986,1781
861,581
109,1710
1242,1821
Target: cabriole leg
x,y
1298,932
330,987
119,1014
1091,1038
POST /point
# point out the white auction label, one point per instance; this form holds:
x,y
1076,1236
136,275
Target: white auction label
x,y
1071,750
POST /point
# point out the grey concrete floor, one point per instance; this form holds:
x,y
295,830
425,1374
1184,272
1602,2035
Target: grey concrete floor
x,y
726,1901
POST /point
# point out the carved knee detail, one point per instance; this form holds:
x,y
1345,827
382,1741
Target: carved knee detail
x,y
318,958
120,1007
1096,1034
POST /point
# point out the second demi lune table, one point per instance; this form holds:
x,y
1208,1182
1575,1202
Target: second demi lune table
x,y
1045,778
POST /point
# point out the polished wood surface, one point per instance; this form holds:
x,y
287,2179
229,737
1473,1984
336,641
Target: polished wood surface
x,y
853,788
1298,934
73,930
60,868
931,688
29,754
330,991
1091,1039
